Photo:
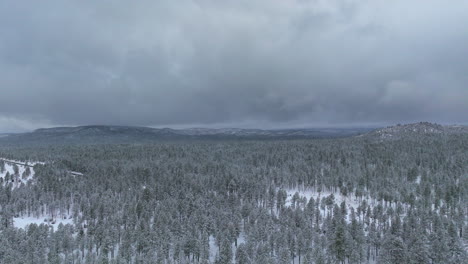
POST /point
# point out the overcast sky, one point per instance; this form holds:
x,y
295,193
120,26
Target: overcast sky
x,y
246,63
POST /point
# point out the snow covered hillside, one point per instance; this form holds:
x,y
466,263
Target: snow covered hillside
x,y
16,172
300,197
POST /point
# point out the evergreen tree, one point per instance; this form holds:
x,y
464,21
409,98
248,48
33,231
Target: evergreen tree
x,y
393,250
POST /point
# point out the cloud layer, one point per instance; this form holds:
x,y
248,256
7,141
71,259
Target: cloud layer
x,y
268,62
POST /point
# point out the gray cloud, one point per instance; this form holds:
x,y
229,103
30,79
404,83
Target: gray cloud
x,y
207,62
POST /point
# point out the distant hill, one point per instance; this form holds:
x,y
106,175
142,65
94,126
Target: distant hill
x,y
130,134
414,130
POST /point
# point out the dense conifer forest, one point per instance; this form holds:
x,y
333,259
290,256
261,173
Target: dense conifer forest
x,y
234,132
350,200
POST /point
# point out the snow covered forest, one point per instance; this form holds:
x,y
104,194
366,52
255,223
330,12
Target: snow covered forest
x,y
350,200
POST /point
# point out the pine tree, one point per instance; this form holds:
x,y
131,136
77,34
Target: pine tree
x,y
393,250
418,249
242,256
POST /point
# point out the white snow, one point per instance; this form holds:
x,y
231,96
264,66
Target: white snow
x,y
418,179
213,249
23,222
17,179
75,173
30,163
350,199
22,165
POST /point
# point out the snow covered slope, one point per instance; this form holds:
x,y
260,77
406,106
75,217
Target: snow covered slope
x,y
16,172
128,134
415,130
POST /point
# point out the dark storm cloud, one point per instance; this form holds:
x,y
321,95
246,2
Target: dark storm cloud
x,y
232,62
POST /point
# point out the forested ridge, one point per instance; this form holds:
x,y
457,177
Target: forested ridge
x,y
242,202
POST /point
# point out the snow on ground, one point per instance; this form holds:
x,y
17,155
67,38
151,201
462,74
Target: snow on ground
x,y
418,179
75,173
30,163
23,222
240,240
20,177
213,249
22,166
350,199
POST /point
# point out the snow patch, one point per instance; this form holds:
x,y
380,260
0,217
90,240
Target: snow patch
x,y
418,179
23,163
24,174
24,222
75,173
213,249
351,200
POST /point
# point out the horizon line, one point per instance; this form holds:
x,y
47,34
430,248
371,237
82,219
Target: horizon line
x,y
291,127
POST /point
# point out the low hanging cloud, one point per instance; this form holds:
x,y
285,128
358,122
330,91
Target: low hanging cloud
x,y
208,62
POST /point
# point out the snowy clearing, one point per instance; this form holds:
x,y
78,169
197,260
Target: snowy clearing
x,y
24,163
352,202
23,174
23,222
23,166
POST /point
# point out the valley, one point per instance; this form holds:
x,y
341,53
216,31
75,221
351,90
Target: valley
x,y
357,199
